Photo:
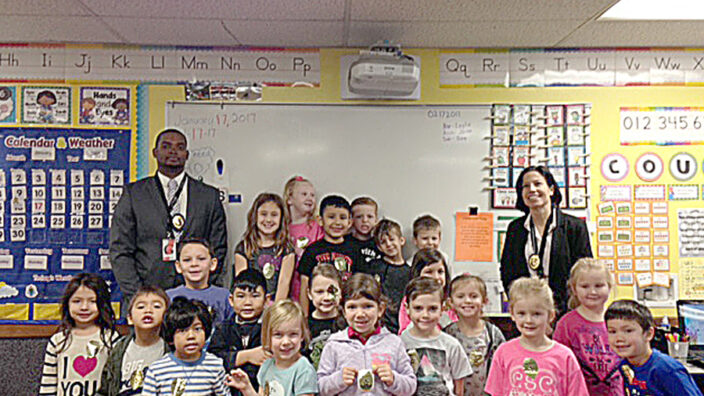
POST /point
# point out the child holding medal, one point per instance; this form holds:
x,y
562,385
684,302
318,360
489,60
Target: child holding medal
x,y
533,363
479,338
265,245
188,369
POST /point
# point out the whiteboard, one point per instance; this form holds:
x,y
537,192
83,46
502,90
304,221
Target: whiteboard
x,y
412,160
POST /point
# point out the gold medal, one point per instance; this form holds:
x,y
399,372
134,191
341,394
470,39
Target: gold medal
x,y
476,357
415,359
137,379
93,348
341,264
178,221
377,278
365,381
178,387
534,262
302,242
530,366
268,271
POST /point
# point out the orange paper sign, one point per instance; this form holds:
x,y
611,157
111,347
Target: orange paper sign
x,y
474,237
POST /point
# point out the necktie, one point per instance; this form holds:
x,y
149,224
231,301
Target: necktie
x,y
171,188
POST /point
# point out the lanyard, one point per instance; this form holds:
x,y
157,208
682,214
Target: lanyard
x,y
170,205
540,250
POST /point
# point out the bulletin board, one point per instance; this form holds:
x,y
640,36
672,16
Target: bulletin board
x,y
67,153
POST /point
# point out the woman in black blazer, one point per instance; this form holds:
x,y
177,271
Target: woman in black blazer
x,y
531,251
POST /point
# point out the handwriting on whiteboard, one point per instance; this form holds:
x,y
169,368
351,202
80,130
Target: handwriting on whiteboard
x,y
207,127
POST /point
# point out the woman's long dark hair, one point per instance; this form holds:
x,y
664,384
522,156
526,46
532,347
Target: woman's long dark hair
x,y
106,315
543,170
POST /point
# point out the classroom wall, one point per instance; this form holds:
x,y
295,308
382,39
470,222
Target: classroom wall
x,y
605,119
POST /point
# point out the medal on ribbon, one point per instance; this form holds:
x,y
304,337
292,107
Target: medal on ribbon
x,y
476,357
341,264
178,387
137,379
365,381
178,222
534,262
268,270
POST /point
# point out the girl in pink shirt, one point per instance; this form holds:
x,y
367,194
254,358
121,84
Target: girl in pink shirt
x,y
533,364
583,329
304,229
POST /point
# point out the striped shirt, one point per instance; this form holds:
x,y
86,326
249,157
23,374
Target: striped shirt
x,y
205,376
76,369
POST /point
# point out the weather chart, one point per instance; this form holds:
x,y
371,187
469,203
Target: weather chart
x,y
66,158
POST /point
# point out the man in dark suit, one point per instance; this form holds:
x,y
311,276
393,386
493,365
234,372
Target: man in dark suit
x,y
157,211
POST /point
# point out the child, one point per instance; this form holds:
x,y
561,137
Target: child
x,y
333,248
645,371
479,338
128,361
392,272
583,329
265,245
188,369
196,261
439,361
46,100
427,232
365,352
284,332
324,291
364,219
76,354
431,263
237,341
299,195
533,363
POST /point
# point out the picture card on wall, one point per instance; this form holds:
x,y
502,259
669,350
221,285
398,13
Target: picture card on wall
x,y
578,197
575,114
682,192
555,136
575,135
555,115
606,208
521,137
501,114
504,198
499,156
575,156
46,105
500,177
556,156
8,105
521,114
521,156
559,174
501,135
577,176
616,193
625,278
649,192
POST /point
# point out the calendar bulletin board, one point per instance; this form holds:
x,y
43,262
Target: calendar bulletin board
x,y
67,152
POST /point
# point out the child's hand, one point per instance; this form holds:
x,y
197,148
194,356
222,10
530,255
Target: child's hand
x,y
383,371
237,379
258,356
349,374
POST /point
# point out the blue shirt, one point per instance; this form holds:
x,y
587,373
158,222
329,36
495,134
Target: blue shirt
x,y
661,375
214,297
299,379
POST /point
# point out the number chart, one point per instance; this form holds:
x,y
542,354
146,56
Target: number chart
x,y
58,190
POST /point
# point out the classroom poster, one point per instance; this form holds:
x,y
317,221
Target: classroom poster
x,y
8,105
474,237
58,190
104,106
46,105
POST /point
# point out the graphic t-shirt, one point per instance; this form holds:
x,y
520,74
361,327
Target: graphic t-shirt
x,y
320,331
299,379
393,279
76,369
343,256
477,350
215,297
516,370
437,362
135,362
661,375
367,250
268,263
590,344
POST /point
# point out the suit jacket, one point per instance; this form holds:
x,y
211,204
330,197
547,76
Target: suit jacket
x,y
570,242
140,223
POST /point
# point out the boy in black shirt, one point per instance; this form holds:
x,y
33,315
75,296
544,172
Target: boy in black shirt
x,y
392,271
364,218
237,340
333,248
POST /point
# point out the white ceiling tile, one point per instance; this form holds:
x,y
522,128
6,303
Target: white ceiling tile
x,y
42,7
462,34
210,9
54,29
316,10
287,33
638,34
171,31
475,10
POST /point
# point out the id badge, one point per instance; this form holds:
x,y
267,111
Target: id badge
x,y
168,249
